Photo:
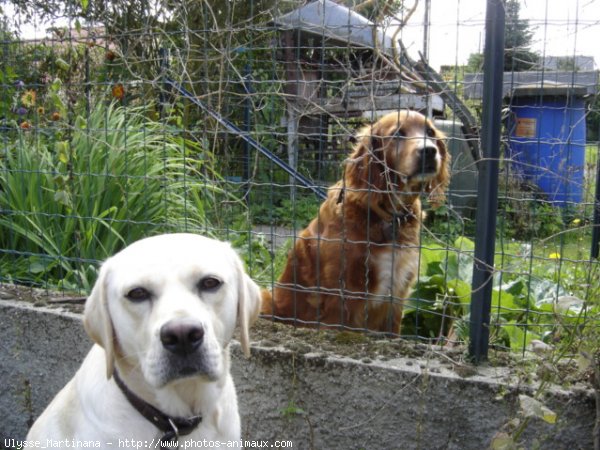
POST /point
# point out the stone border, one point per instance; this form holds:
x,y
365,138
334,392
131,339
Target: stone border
x,y
319,401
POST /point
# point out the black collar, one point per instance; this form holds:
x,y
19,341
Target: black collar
x,y
390,227
172,427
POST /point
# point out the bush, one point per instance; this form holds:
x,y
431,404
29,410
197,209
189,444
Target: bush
x,y
525,213
526,305
117,177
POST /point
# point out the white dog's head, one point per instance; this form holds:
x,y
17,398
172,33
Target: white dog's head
x,y
168,304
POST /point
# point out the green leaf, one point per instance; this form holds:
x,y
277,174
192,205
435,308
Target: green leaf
x,y
439,281
515,287
62,64
434,268
431,258
62,197
424,290
37,267
63,157
503,441
503,302
530,407
544,291
292,410
461,291
464,244
459,263
520,337
56,85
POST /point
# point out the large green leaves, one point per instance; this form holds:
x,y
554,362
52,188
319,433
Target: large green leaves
x,y
523,308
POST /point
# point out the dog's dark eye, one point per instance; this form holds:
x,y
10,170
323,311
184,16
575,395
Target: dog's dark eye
x,y
430,132
138,294
209,283
400,133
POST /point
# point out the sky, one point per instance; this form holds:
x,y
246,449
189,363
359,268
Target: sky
x,y
561,28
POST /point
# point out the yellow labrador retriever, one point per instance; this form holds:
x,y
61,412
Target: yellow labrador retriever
x,y
162,314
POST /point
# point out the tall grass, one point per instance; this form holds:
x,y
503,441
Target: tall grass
x,y
119,176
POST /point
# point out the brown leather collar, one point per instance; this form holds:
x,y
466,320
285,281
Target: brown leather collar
x,y
172,427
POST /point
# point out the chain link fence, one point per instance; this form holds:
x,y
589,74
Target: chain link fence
x,y
232,119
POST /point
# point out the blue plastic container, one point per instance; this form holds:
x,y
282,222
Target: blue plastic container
x,y
547,139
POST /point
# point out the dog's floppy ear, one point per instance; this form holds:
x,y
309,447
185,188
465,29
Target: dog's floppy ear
x,y
365,167
97,321
437,187
249,299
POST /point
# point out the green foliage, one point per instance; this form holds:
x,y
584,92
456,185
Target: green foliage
x,y
379,10
592,118
275,207
442,291
525,214
33,77
475,63
70,201
297,213
447,225
524,306
291,410
254,249
517,40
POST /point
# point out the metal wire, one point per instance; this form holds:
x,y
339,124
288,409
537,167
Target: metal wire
x,y
232,119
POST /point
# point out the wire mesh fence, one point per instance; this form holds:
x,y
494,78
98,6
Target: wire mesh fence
x,y
233,119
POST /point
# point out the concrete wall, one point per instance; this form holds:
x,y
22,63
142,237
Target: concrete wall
x,y
319,401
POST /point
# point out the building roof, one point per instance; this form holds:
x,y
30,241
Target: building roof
x,y
326,19
585,82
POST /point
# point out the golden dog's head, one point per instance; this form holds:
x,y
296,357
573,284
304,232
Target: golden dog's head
x,y
401,155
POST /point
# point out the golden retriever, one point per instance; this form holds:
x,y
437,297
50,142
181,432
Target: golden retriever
x,y
162,314
356,262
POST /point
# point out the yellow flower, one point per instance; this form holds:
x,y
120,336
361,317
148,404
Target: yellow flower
x,y
554,256
28,98
576,221
41,110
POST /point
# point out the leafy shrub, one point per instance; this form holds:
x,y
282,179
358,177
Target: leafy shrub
x,y
525,213
296,213
118,177
446,224
524,306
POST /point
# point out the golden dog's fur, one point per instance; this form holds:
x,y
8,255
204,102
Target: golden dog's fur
x,y
356,262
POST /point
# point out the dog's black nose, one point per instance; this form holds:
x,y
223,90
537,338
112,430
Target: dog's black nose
x,y
181,336
428,153
428,159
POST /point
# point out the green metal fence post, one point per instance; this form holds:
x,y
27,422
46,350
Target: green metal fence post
x,y
487,192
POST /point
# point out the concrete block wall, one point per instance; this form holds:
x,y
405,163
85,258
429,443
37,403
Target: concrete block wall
x,y
316,400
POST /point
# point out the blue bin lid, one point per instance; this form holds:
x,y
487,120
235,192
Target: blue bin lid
x,y
549,89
